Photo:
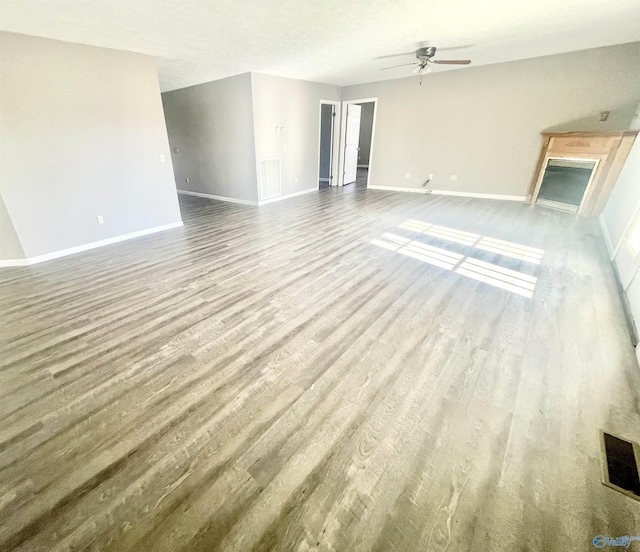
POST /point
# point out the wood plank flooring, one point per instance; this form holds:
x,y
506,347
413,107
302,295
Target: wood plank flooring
x,y
319,374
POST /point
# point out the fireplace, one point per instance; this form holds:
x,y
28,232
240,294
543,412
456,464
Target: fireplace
x,y
565,182
576,171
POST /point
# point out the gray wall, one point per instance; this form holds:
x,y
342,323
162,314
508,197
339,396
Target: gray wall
x,y
294,105
10,247
366,129
211,125
82,134
484,123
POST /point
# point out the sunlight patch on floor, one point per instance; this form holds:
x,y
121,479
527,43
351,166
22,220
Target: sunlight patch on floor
x,y
420,251
513,250
465,265
497,276
457,236
494,245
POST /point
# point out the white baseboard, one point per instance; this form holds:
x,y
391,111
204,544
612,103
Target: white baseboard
x,y
87,246
450,193
219,198
398,189
480,196
607,237
287,196
13,262
246,201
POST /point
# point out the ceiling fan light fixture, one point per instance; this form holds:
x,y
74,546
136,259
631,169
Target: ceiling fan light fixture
x,y
422,69
424,56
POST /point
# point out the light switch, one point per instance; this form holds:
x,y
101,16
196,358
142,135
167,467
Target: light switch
x,y
454,177
161,158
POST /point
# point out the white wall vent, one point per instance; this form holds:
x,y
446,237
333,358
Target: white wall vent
x,y
270,180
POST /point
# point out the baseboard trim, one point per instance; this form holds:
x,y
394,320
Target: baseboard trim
x,y
246,201
626,307
219,198
13,262
502,197
607,237
87,246
287,196
450,193
362,166
398,189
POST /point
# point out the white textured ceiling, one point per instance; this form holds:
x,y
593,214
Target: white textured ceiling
x,y
333,41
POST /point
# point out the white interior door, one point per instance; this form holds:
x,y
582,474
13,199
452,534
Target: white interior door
x,y
352,139
628,257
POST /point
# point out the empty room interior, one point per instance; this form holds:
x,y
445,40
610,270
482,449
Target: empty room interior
x,y
319,276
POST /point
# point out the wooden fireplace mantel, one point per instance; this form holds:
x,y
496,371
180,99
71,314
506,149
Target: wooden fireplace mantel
x,y
609,148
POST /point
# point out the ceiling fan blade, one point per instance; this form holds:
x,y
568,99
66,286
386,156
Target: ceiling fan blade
x,y
394,66
455,47
397,55
452,61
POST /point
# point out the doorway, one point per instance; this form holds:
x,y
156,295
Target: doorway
x,y
364,142
357,125
327,160
565,182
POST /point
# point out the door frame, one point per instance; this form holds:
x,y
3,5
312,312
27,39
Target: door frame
x,y
596,158
343,137
335,144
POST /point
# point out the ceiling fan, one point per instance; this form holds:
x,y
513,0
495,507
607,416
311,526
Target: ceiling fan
x,y
425,59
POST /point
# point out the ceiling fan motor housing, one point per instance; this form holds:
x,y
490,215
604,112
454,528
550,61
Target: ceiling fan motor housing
x,y
426,53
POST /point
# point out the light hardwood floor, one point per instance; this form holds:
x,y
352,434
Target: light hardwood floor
x,y
270,379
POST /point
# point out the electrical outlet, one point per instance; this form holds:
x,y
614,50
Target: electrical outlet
x,y
187,180
604,115
100,219
161,158
428,191
407,175
453,177
430,177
